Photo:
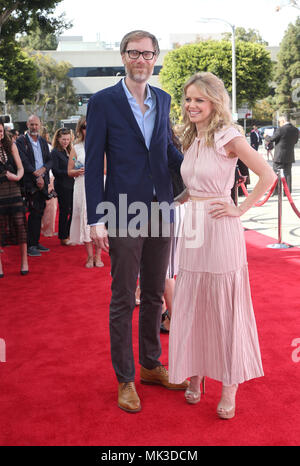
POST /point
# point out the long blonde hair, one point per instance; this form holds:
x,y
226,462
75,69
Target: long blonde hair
x,y
212,88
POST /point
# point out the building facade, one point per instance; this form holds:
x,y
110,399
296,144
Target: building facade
x,y
97,65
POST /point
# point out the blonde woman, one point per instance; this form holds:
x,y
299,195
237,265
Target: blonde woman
x,y
80,230
213,330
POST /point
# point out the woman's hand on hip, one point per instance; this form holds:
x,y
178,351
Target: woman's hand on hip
x,y
224,209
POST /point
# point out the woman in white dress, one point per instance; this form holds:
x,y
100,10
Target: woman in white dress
x,y
80,230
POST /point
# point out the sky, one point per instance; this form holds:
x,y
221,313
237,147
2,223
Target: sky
x,y
114,18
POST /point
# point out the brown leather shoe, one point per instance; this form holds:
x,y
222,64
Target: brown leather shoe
x,y
160,376
128,399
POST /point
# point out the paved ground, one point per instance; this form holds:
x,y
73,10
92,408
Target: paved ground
x,y
264,219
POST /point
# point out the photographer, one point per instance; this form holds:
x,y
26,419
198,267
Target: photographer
x,y
35,156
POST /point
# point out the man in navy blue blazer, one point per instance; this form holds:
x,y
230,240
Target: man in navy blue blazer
x,y
129,124
36,160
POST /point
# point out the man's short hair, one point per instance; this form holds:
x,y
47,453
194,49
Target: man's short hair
x,y
138,35
283,118
33,116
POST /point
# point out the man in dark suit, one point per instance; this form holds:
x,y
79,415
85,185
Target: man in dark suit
x,y
130,123
255,139
285,138
35,156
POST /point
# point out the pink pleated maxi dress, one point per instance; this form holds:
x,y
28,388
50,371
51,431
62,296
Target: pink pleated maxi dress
x,y
213,330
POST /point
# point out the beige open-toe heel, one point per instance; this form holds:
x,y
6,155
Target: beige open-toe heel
x,y
90,262
98,262
226,407
194,396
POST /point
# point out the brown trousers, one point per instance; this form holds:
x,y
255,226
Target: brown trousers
x,y
132,257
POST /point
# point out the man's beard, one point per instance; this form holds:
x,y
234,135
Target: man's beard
x,y
138,75
33,133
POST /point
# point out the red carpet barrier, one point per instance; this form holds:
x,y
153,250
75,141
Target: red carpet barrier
x,y
280,182
286,189
260,203
289,196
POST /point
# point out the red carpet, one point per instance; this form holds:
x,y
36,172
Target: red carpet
x,y
58,387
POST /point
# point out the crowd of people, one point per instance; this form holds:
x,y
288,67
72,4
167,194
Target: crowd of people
x,y
35,175
211,319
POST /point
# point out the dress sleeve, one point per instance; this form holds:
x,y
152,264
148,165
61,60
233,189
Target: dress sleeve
x,y
223,137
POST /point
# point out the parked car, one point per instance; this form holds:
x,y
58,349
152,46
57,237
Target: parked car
x,y
7,120
262,130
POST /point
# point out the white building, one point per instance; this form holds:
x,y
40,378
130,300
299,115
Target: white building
x,y
97,65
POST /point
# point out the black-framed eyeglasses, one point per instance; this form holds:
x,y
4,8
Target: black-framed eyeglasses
x,y
83,127
135,54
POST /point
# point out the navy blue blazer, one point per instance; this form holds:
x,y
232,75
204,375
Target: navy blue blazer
x,y
132,169
60,161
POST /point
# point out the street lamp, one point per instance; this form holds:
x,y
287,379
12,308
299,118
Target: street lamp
x,y
233,97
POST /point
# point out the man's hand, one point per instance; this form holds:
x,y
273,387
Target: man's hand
x,y
39,172
99,236
80,171
40,182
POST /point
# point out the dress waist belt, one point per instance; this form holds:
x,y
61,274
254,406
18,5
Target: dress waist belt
x,y
200,198
194,193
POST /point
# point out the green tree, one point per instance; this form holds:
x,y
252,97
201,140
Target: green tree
x,y
264,109
288,68
253,69
56,98
17,17
38,39
23,17
19,72
249,35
